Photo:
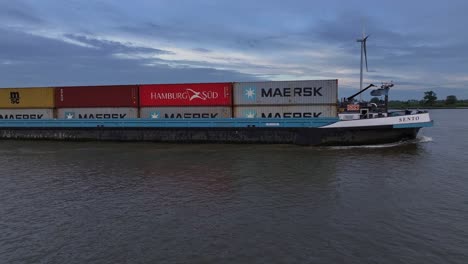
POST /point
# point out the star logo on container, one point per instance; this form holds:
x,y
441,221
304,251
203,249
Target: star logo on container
x,y
155,115
250,114
249,93
69,115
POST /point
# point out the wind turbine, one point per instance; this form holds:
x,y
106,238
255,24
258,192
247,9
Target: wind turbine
x,y
363,42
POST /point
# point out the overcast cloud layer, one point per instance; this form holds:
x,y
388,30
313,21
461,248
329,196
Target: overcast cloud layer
x,y
420,45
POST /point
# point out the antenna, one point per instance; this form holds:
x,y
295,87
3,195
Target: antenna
x,y
363,42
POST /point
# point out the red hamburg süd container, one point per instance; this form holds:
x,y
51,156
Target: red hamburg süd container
x,y
97,96
195,94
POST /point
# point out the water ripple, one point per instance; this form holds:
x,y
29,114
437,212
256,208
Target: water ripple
x,y
66,202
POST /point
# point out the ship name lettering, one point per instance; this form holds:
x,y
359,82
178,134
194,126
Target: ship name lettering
x,y
408,119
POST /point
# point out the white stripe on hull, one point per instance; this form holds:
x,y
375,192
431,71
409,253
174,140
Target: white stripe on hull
x,y
383,121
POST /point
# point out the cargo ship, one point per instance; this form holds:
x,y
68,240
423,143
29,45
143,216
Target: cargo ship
x,y
281,112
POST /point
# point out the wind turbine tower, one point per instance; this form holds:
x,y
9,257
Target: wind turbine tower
x,y
363,42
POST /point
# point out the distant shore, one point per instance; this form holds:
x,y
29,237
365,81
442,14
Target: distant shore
x,y
429,107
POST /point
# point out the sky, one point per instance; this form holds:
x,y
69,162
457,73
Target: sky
x,y
419,45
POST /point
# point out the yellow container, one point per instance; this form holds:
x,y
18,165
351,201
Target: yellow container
x,y
27,97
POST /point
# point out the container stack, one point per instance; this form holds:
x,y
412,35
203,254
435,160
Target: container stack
x,y
186,101
286,99
281,99
97,102
27,103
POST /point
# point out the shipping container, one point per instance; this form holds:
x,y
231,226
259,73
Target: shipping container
x,y
186,112
26,114
27,97
97,96
195,94
285,111
98,113
286,92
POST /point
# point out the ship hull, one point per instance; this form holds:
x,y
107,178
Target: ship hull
x,y
253,135
311,132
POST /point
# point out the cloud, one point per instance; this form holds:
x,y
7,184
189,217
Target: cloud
x,y
412,60
18,12
29,60
111,47
202,50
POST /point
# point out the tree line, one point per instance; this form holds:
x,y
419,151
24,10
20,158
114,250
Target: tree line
x,y
429,100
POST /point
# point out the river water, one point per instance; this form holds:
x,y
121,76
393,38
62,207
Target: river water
x,y
63,202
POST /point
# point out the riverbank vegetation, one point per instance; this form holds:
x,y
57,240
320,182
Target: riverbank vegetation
x,y
429,100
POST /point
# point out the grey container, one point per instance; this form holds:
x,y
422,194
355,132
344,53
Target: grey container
x,y
185,112
26,114
286,92
98,113
285,111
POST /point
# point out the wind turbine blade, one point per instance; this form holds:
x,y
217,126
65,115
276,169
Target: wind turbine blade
x,y
363,28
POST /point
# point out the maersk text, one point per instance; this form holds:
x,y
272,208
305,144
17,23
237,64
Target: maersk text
x,y
22,116
192,115
291,115
101,116
292,92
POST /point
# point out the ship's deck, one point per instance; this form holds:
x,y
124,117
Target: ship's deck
x,y
173,123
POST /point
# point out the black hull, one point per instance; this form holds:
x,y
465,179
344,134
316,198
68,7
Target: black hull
x,y
298,136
